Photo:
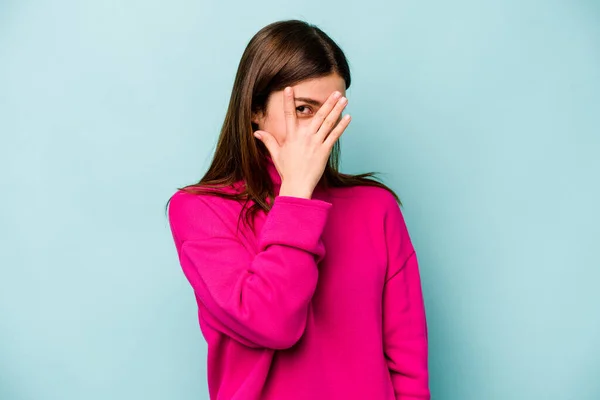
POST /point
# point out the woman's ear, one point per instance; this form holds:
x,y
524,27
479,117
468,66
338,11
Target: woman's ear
x,y
257,117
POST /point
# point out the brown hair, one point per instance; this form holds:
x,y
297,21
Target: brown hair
x,y
281,54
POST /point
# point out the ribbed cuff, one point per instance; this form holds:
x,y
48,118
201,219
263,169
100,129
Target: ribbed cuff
x,y
296,222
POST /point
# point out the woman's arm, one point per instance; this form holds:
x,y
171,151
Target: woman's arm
x,y
261,300
404,322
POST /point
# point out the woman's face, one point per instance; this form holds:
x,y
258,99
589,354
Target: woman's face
x,y
309,96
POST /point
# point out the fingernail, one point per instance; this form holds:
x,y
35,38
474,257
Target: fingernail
x,y
288,90
257,135
343,100
336,95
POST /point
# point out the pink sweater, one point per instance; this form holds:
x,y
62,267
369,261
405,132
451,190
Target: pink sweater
x,y
322,300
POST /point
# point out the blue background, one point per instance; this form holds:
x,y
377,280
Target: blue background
x,y
483,115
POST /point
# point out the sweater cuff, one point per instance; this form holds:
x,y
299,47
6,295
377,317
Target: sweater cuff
x,y
296,222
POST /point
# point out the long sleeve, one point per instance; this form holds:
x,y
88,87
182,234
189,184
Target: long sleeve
x,y
404,321
259,299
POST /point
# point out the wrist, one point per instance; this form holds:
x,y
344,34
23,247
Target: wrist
x,y
288,190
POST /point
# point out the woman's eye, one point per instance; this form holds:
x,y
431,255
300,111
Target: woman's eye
x,y
304,110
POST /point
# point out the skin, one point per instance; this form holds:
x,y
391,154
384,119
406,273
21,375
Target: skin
x,y
318,89
299,128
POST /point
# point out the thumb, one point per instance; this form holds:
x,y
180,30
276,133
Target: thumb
x,y
268,140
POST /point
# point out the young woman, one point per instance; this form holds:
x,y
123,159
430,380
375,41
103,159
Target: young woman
x,y
306,280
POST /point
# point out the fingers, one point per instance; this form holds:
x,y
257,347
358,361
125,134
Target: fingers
x,y
335,134
269,141
289,109
332,118
324,111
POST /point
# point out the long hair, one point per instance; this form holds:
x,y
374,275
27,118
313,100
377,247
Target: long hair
x,y
281,54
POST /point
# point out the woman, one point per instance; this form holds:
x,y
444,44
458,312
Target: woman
x,y
306,280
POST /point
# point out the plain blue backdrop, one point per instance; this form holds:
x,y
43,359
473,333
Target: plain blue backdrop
x,y
483,115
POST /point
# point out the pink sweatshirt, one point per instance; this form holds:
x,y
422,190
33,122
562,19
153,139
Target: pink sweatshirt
x,y
322,300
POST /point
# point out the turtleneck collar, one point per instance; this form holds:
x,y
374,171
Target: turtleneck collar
x,y
273,174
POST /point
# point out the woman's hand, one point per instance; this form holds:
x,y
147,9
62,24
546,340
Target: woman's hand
x,y
302,158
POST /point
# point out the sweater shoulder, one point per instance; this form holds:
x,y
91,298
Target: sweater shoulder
x,y
369,198
200,202
193,214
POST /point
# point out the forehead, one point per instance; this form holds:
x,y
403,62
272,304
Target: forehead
x,y
320,88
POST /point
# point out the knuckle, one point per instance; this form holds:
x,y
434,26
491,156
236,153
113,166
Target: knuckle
x,y
328,123
320,115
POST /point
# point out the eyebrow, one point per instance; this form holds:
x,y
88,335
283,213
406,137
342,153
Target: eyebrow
x,y
310,101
